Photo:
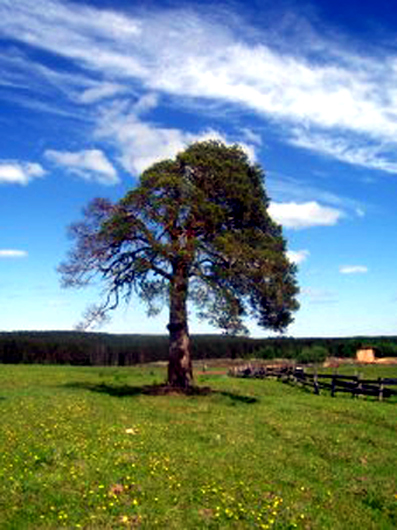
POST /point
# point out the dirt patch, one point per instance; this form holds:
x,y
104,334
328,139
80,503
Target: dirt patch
x,y
336,361
223,366
387,360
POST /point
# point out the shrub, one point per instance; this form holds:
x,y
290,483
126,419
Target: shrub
x,y
313,354
267,352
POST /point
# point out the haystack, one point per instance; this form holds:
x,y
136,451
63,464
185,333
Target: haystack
x,y
366,354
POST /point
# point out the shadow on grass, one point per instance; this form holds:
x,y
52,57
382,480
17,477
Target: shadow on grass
x,y
238,398
159,390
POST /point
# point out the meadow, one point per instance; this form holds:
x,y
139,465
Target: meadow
x,y
90,447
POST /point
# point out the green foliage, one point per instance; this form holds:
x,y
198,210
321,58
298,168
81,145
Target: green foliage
x,y
313,354
54,347
386,349
86,448
267,352
200,220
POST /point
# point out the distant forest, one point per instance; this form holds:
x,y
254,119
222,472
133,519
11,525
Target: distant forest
x,y
76,348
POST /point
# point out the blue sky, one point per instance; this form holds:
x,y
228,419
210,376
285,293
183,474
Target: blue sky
x,y
92,93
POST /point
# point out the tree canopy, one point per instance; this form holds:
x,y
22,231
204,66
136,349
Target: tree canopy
x,y
195,228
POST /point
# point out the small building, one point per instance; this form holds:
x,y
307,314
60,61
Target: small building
x,y
366,354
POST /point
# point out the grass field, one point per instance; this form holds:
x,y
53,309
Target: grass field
x,y
88,448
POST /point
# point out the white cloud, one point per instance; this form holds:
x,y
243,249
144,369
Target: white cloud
x,y
8,253
360,212
347,101
251,136
355,151
318,296
353,269
100,92
90,164
146,103
298,256
304,215
284,188
14,172
142,143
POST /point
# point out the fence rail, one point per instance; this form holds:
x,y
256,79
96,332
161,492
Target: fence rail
x,y
334,383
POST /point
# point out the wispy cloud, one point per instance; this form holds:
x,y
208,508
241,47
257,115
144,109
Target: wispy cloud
x,y
10,253
42,89
251,136
319,296
298,256
353,269
304,215
356,151
345,101
100,92
15,172
90,164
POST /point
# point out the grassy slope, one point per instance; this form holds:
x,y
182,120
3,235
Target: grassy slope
x,y
253,454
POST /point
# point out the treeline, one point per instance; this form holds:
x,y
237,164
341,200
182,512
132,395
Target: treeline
x,y
64,347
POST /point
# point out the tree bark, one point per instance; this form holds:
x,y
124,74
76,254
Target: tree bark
x,y
180,372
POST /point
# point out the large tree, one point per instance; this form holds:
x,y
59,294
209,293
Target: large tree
x,y
194,228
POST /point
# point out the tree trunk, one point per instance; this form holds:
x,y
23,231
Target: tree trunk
x,y
180,373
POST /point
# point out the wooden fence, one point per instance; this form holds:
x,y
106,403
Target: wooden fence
x,y
333,383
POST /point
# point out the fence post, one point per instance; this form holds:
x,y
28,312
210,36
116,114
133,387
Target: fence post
x,y
333,385
315,381
381,388
357,391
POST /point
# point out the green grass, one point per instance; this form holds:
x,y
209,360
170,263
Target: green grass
x,y
86,448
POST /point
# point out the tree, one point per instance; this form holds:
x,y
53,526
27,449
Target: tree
x,y
195,228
